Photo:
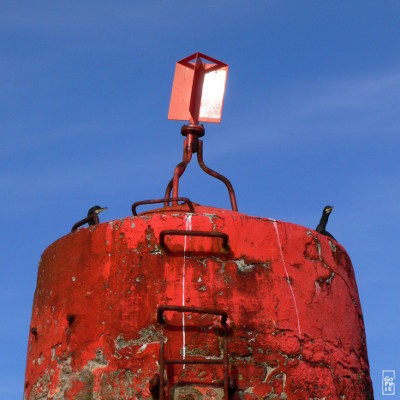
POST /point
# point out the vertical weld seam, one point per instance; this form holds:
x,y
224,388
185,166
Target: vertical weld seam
x,y
287,276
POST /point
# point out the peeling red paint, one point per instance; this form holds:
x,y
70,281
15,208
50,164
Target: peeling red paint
x,y
295,326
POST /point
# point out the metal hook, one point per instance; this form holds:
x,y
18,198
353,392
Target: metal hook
x,y
193,144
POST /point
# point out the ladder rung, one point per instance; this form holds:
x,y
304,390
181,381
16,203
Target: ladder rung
x,y
193,361
200,310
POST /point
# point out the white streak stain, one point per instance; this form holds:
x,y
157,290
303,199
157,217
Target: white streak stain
x,y
188,219
287,276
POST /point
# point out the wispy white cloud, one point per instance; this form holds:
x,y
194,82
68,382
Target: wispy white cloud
x,y
354,92
346,109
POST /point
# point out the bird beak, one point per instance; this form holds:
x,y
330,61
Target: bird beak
x,y
101,209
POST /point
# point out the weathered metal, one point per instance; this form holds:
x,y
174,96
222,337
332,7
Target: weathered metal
x,y
165,201
294,328
177,232
194,361
215,174
201,310
94,218
192,144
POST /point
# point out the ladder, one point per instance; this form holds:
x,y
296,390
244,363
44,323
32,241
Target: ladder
x,y
163,361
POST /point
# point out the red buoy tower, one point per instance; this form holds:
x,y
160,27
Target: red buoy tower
x,y
195,302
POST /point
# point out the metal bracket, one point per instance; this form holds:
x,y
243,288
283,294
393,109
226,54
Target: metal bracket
x,y
198,310
165,201
193,144
178,232
92,217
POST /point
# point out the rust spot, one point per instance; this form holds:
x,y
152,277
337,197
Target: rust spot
x,y
71,319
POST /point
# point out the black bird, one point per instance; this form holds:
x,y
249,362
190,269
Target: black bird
x,y
91,219
93,213
323,221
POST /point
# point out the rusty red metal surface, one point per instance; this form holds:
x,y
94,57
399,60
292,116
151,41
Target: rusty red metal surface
x,y
215,174
200,310
192,144
166,203
294,325
195,361
185,232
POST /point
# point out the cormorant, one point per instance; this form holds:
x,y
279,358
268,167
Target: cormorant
x,y
93,212
91,219
323,221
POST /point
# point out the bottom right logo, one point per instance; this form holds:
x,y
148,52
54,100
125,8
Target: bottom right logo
x,y
388,383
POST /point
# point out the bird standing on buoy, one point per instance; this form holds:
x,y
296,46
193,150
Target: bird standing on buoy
x,y
93,214
323,221
92,217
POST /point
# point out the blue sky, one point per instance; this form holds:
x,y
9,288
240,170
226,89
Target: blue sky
x,y
311,117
